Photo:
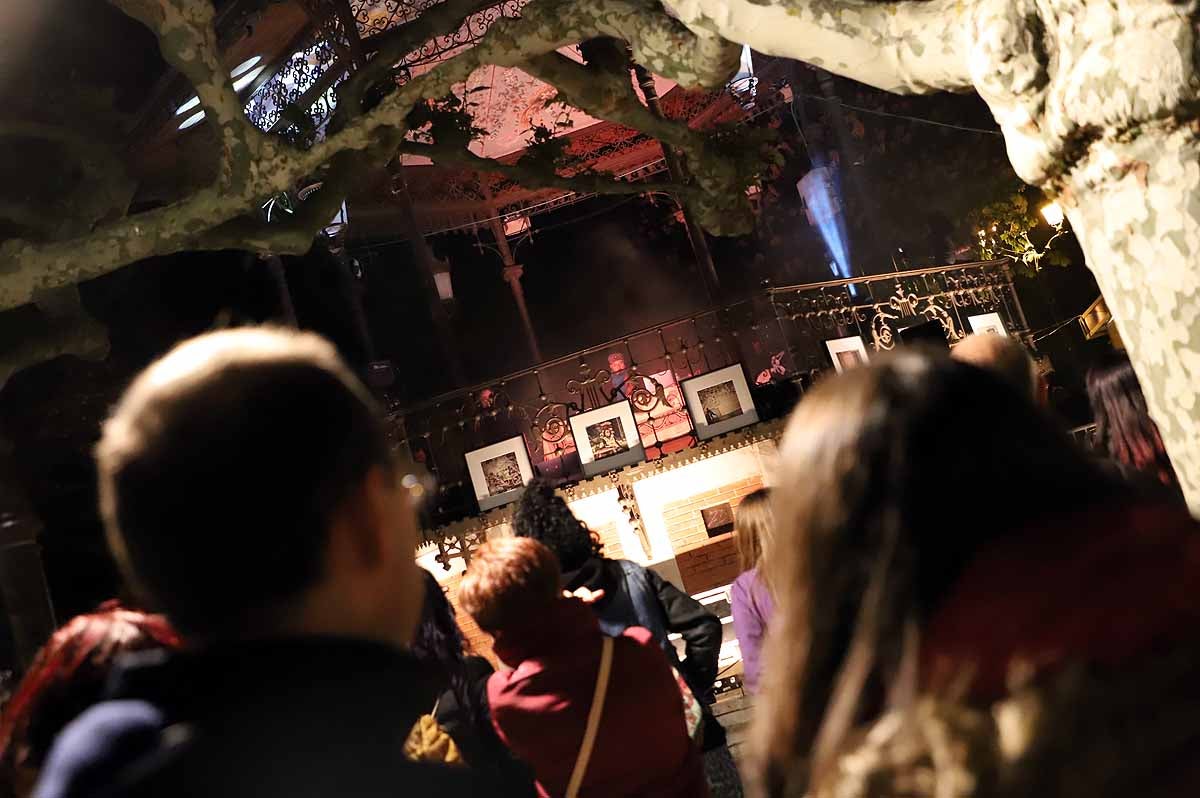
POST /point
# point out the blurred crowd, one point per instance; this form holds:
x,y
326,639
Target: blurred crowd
x,y
942,594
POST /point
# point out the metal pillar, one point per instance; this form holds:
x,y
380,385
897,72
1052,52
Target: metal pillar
x,y
1012,289
286,306
429,265
512,273
678,172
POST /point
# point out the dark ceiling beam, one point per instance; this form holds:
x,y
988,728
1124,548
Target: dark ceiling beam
x,y
345,16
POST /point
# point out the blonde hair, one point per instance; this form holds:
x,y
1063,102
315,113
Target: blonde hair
x,y
754,530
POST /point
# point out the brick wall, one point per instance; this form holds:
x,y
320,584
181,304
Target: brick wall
x,y
705,563
604,515
479,641
611,540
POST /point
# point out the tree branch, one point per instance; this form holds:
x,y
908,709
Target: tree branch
x,y
256,166
188,41
391,46
583,183
607,93
58,326
905,47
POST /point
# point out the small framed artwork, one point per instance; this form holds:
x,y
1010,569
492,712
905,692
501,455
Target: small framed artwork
x,y
717,519
986,323
607,438
500,472
847,353
719,401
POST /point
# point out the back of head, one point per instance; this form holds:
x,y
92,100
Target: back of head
x,y
511,582
222,466
1005,356
1123,423
68,675
754,529
544,516
892,477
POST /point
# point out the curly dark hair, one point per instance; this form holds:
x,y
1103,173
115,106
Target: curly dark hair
x,y
544,516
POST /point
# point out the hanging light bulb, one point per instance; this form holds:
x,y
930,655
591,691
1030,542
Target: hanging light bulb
x,y
1052,212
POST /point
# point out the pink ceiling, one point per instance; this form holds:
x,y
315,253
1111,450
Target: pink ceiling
x,y
510,103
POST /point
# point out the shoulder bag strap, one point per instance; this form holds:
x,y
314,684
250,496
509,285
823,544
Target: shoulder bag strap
x,y
593,720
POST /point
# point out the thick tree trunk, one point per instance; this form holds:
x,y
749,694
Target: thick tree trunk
x,y
1137,215
1098,102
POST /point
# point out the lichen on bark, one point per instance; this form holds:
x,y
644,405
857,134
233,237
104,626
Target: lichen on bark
x,y
1097,101
253,166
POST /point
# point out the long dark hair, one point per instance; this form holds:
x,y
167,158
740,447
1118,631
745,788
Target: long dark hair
x,y
878,469
439,644
544,516
1123,423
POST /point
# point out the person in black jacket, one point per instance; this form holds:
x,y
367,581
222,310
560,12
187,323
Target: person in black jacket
x,y
636,596
462,709
248,491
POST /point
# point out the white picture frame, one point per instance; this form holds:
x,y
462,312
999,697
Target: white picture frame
x,y
607,438
719,401
499,472
847,352
986,323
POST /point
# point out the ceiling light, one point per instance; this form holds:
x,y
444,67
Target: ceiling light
x,y
247,79
194,119
187,106
245,65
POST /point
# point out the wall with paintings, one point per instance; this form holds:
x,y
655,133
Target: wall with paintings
x,y
671,502
684,534
603,515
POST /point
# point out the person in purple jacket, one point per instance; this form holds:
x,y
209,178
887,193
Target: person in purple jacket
x,y
749,595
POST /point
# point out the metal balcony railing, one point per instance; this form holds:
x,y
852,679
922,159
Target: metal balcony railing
x,y
779,336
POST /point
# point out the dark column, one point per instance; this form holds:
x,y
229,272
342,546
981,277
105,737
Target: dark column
x,y
678,172
22,576
513,272
429,266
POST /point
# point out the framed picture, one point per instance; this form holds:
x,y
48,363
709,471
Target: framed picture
x,y
500,472
986,323
847,353
719,401
718,519
607,438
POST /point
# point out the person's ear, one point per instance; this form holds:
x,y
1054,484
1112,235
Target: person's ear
x,y
368,517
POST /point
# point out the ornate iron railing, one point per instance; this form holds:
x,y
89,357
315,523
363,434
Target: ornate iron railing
x,y
306,82
779,337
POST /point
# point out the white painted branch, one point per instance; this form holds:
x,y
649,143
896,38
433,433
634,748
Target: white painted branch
x,y
59,326
907,47
188,41
255,166
1140,230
